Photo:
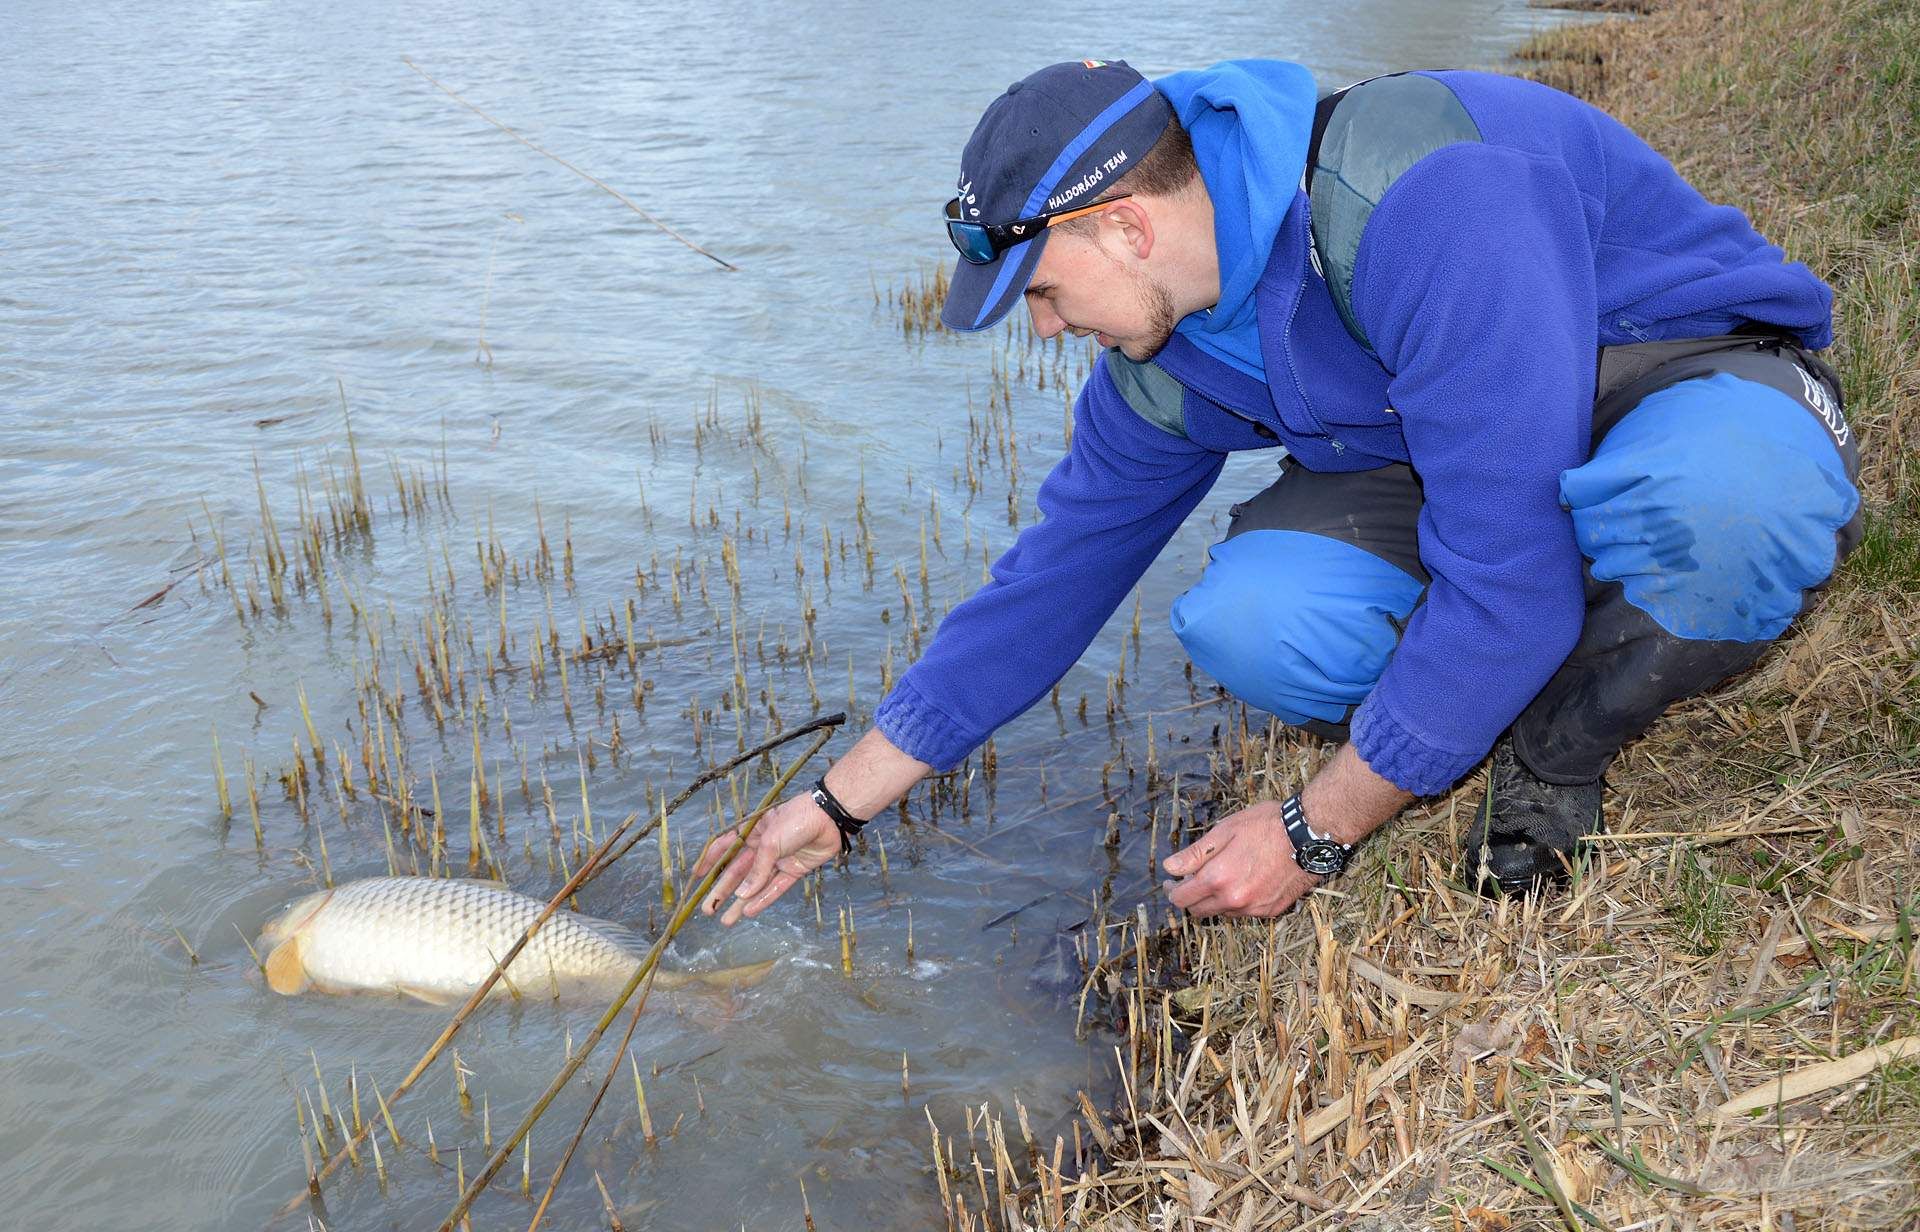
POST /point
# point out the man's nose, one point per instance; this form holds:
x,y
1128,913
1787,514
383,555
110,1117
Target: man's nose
x,y
1046,322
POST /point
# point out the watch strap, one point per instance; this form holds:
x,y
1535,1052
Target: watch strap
x,y
1314,852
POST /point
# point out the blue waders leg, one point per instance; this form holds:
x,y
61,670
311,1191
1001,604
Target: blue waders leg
x,y
1302,603
1719,497
1712,507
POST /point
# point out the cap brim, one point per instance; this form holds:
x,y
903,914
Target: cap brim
x,y
979,295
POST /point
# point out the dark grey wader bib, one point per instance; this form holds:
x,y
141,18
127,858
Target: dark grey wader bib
x,y
1625,670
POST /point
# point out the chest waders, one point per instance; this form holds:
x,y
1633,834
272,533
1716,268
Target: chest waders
x,y
1718,496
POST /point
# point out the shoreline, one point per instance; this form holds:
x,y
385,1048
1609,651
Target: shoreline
x,y
1399,1054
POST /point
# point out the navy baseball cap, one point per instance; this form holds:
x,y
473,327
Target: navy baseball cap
x,y
1060,136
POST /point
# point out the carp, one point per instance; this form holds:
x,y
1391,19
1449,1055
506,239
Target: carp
x,y
435,939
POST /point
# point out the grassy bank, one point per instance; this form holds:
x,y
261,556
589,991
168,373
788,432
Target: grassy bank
x,y
1400,1054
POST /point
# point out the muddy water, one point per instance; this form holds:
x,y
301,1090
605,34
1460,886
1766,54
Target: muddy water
x,y
217,223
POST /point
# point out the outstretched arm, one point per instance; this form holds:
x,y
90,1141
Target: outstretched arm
x,y
1106,511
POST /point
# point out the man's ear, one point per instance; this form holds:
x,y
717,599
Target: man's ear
x,y
1133,226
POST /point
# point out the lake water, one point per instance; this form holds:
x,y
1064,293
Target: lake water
x,y
217,220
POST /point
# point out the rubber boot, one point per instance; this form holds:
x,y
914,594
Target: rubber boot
x,y
1525,836
1548,772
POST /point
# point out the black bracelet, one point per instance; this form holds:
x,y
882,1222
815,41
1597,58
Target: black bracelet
x,y
843,821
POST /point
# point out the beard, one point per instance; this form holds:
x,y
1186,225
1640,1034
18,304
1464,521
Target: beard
x,y
1157,301
1161,319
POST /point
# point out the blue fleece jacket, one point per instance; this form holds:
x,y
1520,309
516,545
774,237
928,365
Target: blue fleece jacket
x,y
1486,279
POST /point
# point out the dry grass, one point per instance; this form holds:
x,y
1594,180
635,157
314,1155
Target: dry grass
x,y
1633,7
1401,1054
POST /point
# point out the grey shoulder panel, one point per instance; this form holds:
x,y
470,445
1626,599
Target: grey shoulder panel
x,y
1153,395
1379,130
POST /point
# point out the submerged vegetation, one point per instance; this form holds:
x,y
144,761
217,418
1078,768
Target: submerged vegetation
x,y
494,686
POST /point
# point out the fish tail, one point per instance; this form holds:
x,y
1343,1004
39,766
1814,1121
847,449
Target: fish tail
x,y
745,976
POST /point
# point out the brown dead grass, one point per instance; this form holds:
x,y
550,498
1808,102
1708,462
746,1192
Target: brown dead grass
x,y
1401,1054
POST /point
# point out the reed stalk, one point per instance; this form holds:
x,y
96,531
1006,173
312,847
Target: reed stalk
x,y
640,1099
244,940
666,865
220,779
253,805
714,774
386,1116
606,1201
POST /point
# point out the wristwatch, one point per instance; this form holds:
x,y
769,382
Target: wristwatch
x,y
1315,853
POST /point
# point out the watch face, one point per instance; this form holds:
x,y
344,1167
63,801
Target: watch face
x,y
1322,859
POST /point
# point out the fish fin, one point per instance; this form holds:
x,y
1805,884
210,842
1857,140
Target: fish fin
x,y
617,933
431,996
286,973
491,883
723,979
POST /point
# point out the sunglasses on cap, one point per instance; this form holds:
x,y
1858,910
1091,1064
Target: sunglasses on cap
x,y
979,243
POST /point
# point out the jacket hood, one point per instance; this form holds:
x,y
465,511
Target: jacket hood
x,y
1250,122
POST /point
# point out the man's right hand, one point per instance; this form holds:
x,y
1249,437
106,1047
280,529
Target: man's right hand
x,y
790,842
797,837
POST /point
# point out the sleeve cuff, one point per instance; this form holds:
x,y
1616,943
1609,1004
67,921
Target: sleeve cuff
x,y
920,731
1401,757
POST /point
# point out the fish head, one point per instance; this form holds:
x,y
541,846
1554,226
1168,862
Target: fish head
x,y
294,918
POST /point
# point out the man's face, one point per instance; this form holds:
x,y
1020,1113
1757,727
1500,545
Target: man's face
x,y
1081,286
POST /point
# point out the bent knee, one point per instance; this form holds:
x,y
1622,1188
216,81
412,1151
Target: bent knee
x,y
1296,624
1717,503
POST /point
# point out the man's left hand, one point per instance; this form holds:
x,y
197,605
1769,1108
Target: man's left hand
x,y
1243,866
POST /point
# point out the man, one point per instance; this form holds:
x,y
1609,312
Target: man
x,y
1558,451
